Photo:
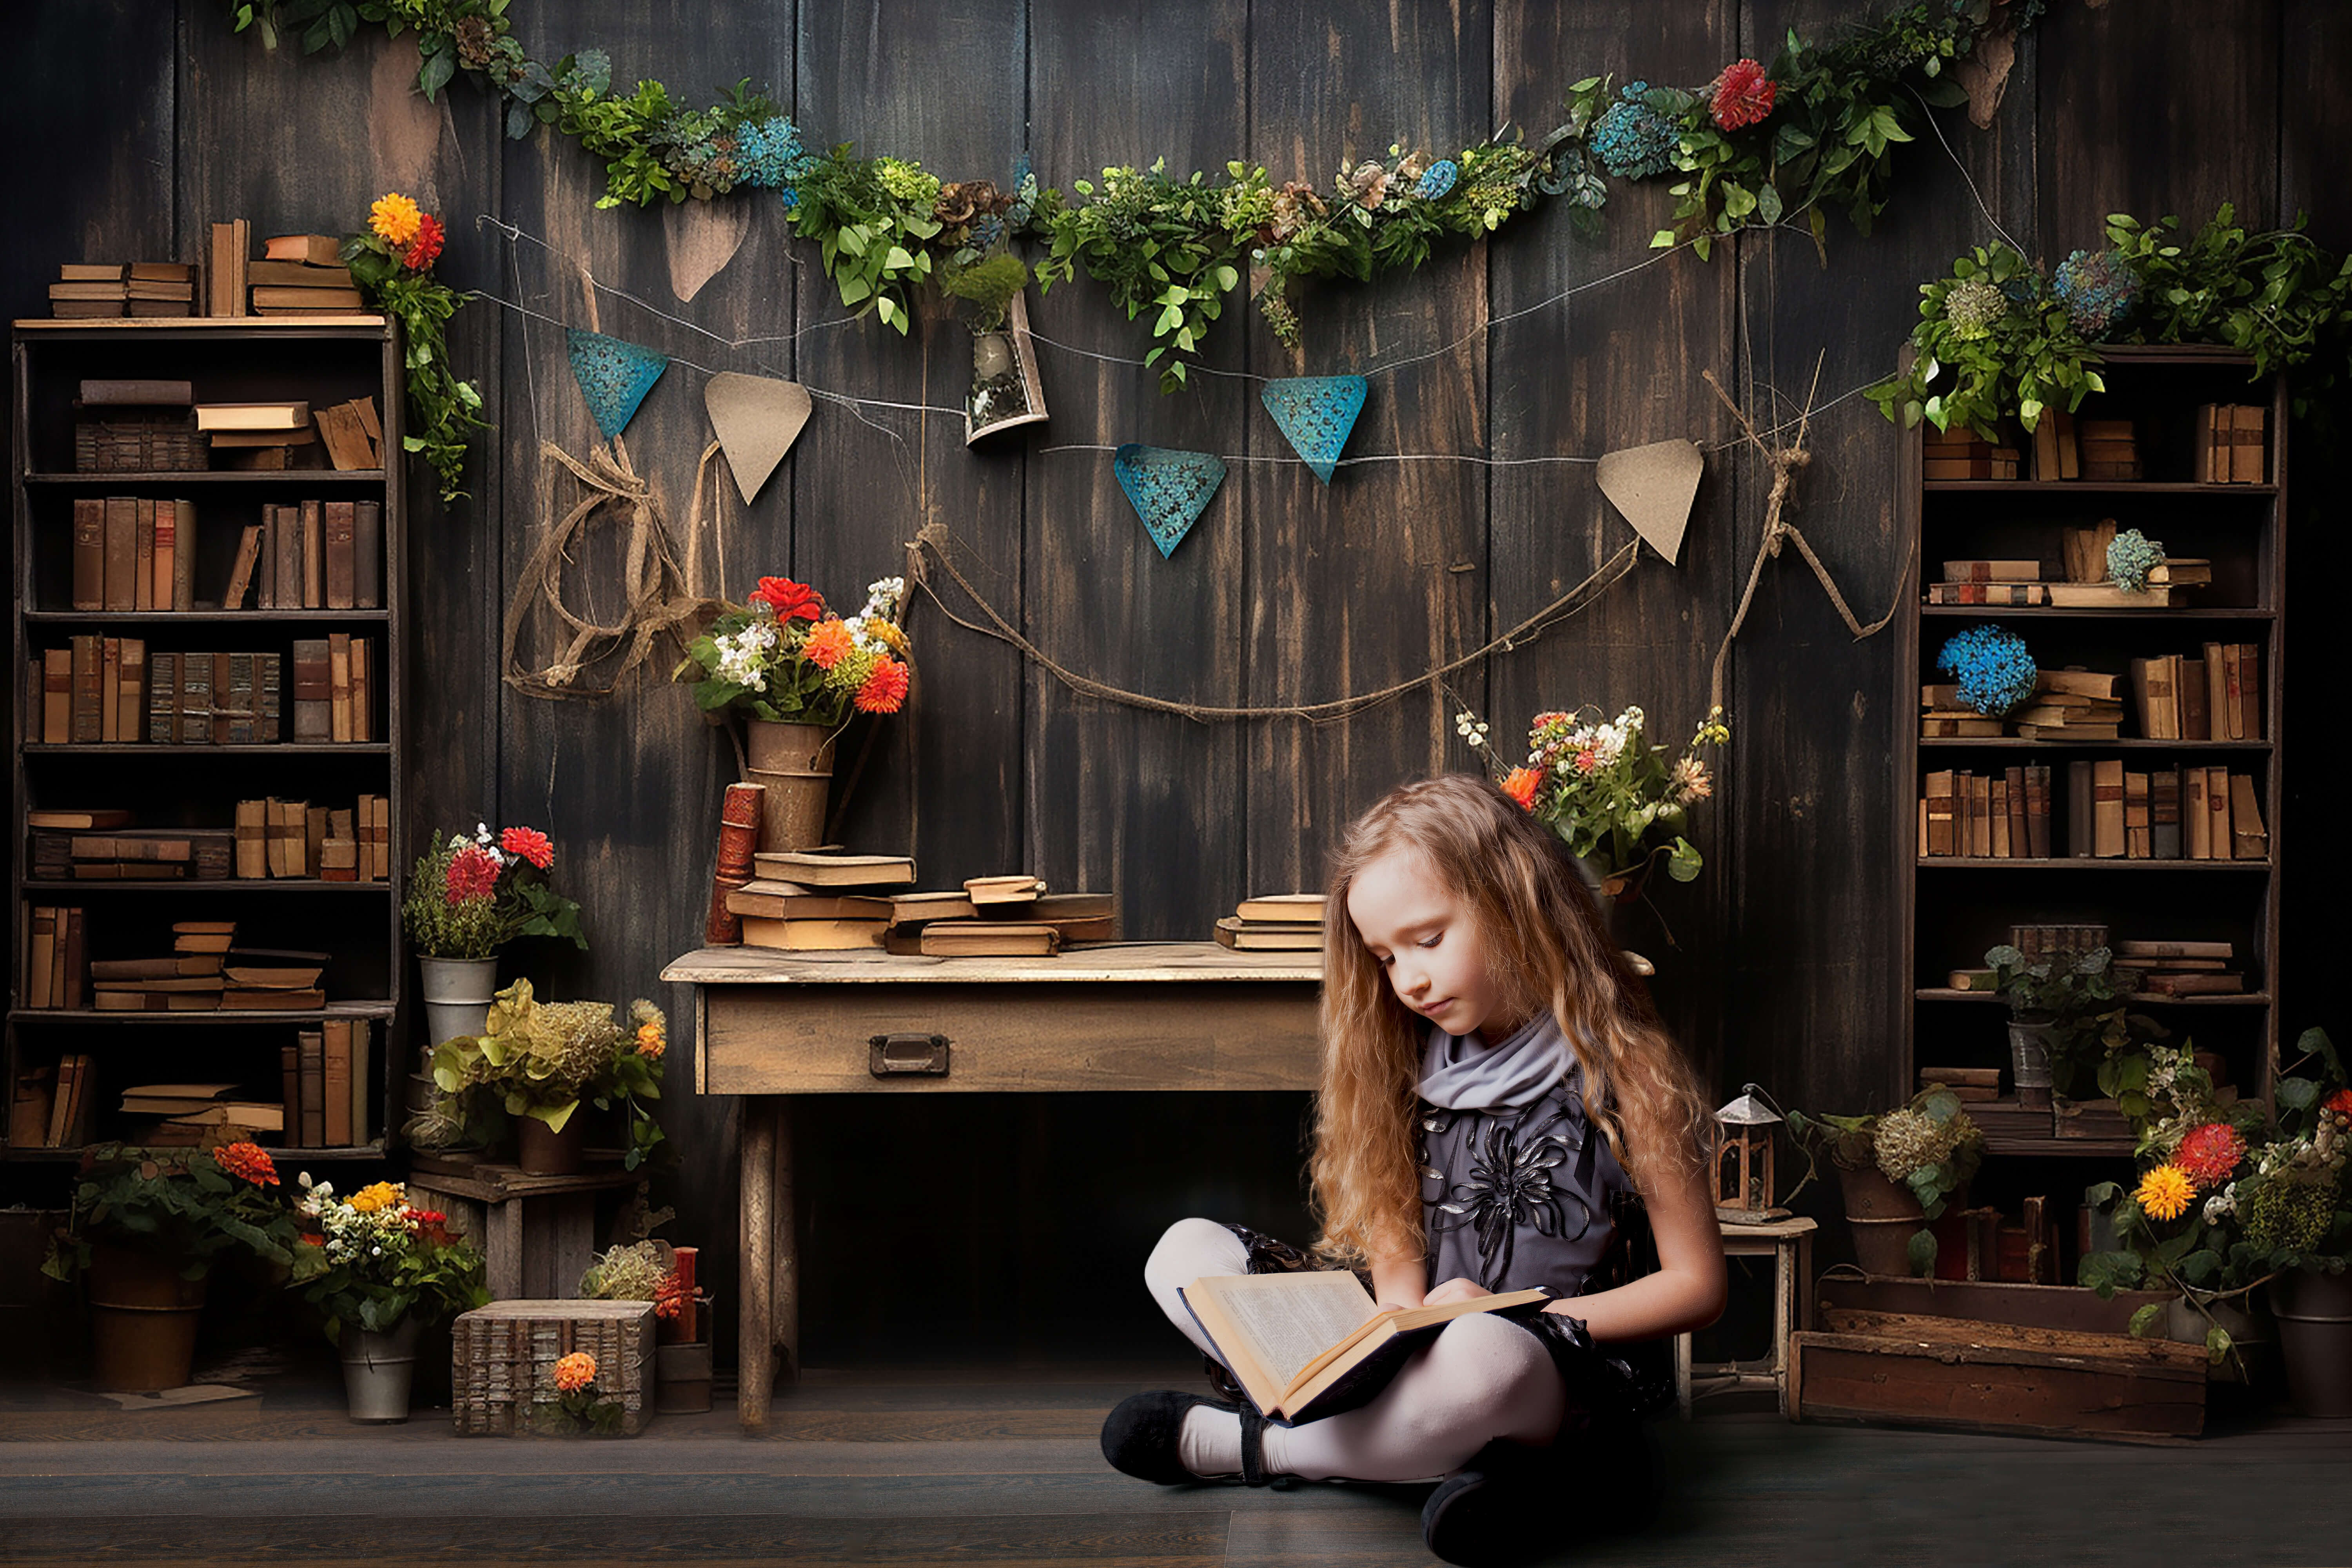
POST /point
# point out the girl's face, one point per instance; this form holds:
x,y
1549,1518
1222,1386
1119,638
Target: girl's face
x,y
1426,942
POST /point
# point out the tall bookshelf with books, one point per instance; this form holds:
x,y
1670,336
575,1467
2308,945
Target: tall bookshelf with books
x,y
2131,800
206,789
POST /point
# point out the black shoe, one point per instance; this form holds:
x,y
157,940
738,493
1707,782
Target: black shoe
x,y
1490,1510
1140,1438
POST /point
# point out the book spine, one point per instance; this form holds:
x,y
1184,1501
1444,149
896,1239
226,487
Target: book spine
x,y
1942,832
362,1071
314,1088
338,685
182,578
265,698
122,552
314,555
252,839
313,692
56,696
224,698
163,705
167,538
2250,690
142,573
2037,818
110,688
2108,840
2164,813
367,555
286,582
2195,825
74,961
738,837
2014,810
335,1076
88,716
362,691
195,705
90,554
2216,813
131,700
341,566
2136,817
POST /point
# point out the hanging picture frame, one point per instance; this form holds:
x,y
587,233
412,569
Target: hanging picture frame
x,y
1006,390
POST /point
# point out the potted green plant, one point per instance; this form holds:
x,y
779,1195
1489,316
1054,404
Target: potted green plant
x,y
794,672
147,1226
1617,801
469,896
2295,1202
1899,1170
2053,1006
382,1270
540,1060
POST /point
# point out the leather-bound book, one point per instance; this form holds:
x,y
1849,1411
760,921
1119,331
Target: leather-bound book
x,y
89,552
338,685
122,552
341,564
163,700
738,837
367,555
314,555
313,692
88,710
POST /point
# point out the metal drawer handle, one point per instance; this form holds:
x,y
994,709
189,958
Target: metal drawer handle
x,y
891,1056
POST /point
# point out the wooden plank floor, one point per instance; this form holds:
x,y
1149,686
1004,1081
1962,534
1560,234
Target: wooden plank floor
x,y
912,1466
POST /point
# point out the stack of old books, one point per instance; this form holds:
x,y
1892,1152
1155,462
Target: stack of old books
x,y
2088,586
96,289
260,436
2228,443
2108,449
188,981
2002,583
2072,704
275,980
155,854
303,275
1275,922
819,900
815,901
190,1113
2178,968
1962,454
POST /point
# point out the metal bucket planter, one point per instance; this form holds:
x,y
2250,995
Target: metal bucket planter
x,y
2029,1062
1006,392
1883,1219
378,1366
795,762
541,1152
2314,1328
142,1320
457,995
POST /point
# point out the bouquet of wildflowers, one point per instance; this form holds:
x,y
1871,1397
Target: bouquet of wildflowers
x,y
374,1258
469,896
391,264
1614,798
785,656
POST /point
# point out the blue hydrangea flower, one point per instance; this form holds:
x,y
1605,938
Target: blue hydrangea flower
x,y
1992,666
769,153
2098,289
2131,555
1437,179
1633,140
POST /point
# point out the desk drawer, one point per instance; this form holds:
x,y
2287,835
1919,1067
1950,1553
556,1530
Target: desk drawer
x,y
816,1039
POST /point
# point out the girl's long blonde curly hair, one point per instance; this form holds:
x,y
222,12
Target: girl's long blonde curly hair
x,y
1543,940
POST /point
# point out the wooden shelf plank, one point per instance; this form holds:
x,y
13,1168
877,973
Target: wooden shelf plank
x,y
2063,1148
2125,743
2081,487
246,1016
160,748
2189,613
46,1155
2137,998
170,618
259,326
290,477
204,884
2079,863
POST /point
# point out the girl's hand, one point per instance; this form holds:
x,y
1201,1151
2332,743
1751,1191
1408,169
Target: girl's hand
x,y
1454,1290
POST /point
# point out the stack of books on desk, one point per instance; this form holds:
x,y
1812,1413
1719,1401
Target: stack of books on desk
x,y
810,901
1275,922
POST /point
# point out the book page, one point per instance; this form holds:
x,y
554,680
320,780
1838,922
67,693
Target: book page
x,y
1288,1319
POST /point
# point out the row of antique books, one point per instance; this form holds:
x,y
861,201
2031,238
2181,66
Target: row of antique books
x,y
2083,584
324,1076
2227,446
272,839
96,290
102,690
156,424
206,971
298,275
2216,697
816,900
2111,812
52,960
2154,966
1273,923
130,552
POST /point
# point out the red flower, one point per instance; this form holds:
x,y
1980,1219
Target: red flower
x,y
1743,95
427,245
884,689
247,1161
528,843
1521,784
791,601
2340,1103
308,1239
2211,1152
473,873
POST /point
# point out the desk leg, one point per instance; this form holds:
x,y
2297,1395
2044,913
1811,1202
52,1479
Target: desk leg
x,y
784,1287
1785,1271
1682,1374
756,1329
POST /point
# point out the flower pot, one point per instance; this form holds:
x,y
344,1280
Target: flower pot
x,y
457,994
2314,1329
1007,391
377,1368
2250,1334
2029,1062
682,1378
1883,1219
542,1153
794,761
143,1318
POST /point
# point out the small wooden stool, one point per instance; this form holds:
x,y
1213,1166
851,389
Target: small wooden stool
x,y
537,1234
1789,1243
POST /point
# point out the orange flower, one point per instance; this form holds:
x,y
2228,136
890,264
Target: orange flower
x,y
828,644
395,218
247,1161
575,1371
884,689
650,1043
1521,784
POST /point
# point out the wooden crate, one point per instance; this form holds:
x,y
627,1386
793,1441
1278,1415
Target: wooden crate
x,y
502,1362
2074,1308
1967,1377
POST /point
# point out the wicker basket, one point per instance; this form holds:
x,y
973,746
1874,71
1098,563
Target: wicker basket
x,y
503,1356
139,443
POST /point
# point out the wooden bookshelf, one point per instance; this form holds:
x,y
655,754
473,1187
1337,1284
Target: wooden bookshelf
x,y
1951,909
324,361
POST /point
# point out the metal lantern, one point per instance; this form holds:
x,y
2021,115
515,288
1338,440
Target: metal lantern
x,y
1744,1178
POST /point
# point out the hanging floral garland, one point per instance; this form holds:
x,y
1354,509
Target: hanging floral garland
x,y
1813,132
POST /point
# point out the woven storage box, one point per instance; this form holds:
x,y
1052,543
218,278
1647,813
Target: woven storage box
x,y
503,1356
139,443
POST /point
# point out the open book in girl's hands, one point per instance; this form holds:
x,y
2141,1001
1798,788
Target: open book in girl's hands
x,y
1313,1344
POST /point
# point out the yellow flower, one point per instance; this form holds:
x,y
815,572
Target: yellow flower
x,y
649,1041
395,218
367,1200
2165,1192
888,631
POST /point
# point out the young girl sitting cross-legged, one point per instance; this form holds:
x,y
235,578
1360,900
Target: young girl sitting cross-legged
x,y
1492,1073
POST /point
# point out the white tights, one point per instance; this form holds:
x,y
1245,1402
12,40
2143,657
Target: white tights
x,y
1480,1379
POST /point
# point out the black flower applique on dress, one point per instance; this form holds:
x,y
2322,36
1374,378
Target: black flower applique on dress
x,y
1508,1183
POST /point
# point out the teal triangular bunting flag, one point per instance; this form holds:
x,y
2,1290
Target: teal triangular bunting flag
x,y
613,376
1169,489
1316,413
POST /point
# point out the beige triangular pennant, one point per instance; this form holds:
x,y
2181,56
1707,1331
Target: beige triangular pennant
x,y
757,418
1654,487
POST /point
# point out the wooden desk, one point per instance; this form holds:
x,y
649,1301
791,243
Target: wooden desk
x,y
1128,1016
1789,1243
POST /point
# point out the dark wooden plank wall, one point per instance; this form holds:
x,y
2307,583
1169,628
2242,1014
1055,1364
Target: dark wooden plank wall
x,y
1774,965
